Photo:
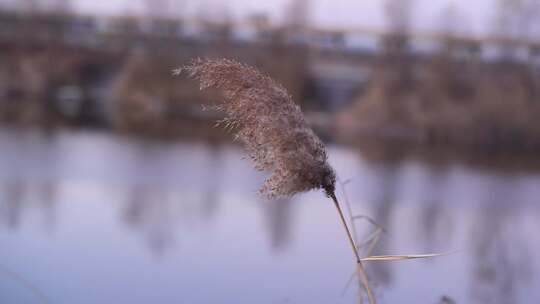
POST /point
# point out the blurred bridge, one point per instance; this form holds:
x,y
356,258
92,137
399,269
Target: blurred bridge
x,y
338,62
97,31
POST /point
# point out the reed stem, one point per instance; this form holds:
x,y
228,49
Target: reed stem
x,y
362,275
349,235
361,271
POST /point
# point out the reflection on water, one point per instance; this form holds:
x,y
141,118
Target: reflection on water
x,y
95,218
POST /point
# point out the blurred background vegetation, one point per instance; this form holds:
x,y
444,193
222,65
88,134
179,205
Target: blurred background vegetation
x,y
62,66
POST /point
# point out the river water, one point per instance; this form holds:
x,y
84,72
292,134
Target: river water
x,y
90,217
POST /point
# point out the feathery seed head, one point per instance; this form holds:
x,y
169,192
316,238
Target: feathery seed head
x,y
270,125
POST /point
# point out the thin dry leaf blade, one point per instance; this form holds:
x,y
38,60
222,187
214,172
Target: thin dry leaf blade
x,y
402,257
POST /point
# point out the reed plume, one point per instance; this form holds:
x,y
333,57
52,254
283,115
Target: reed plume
x,y
272,128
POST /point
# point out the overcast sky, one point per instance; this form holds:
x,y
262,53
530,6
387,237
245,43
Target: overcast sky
x,y
476,15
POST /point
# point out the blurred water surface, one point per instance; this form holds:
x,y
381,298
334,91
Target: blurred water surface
x,y
90,217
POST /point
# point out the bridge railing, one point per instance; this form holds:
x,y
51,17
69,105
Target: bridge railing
x,y
89,30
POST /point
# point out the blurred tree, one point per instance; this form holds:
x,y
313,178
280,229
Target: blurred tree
x,y
453,70
214,11
58,6
399,15
36,6
395,44
158,8
452,22
296,18
454,29
259,21
28,6
297,14
216,20
515,20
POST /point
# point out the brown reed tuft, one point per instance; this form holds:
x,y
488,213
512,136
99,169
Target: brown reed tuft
x,y
274,133
270,125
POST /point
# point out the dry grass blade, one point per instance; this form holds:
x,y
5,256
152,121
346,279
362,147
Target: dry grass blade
x,y
348,284
402,257
374,241
360,271
365,282
349,210
370,220
369,239
26,284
